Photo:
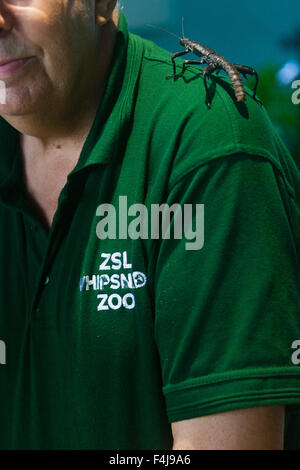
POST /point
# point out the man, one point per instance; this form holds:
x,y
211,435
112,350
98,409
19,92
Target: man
x,y
138,343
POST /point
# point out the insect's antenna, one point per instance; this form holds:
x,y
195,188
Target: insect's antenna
x,y
162,29
182,23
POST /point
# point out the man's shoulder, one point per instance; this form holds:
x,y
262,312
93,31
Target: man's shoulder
x,y
175,111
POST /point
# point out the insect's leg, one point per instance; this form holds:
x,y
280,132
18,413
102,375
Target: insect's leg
x,y
187,62
206,72
173,57
245,70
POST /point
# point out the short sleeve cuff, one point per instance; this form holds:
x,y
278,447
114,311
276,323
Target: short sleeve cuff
x,y
229,391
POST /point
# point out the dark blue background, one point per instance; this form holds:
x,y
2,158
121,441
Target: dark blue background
x,y
247,32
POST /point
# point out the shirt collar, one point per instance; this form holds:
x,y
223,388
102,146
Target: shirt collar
x,y
114,112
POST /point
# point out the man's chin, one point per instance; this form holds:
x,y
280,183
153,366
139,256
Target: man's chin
x,y
11,111
15,104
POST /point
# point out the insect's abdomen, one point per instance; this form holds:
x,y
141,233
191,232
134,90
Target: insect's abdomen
x,y
236,80
212,58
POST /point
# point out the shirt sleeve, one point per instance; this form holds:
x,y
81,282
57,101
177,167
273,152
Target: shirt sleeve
x,y
227,315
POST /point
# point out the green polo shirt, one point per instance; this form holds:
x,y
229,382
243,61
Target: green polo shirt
x,y
110,340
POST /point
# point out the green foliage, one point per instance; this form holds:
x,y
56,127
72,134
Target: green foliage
x,y
285,115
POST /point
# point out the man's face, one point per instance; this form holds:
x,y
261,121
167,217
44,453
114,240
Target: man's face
x,y
58,40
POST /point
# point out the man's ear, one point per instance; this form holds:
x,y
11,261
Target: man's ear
x,y
104,10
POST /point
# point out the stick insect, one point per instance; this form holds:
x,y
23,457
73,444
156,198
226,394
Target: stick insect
x,y
215,62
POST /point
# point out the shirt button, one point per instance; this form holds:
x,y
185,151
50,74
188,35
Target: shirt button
x,y
46,281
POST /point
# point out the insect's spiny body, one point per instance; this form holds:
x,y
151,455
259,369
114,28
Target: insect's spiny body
x,y
196,48
216,62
